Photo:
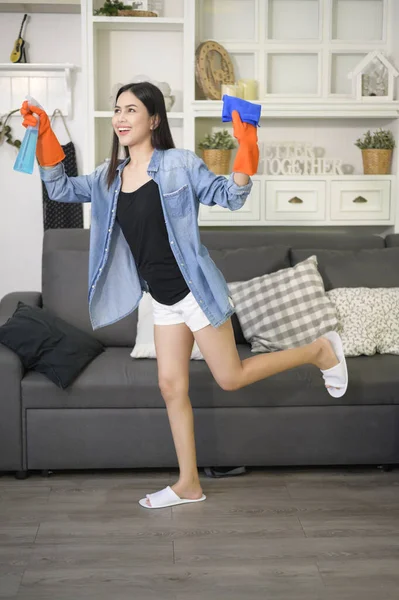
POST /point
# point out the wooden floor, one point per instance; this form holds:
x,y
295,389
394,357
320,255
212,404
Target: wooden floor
x,y
270,534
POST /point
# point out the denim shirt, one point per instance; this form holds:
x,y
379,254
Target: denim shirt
x,y
115,286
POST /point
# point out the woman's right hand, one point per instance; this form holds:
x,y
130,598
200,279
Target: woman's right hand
x,y
48,150
28,112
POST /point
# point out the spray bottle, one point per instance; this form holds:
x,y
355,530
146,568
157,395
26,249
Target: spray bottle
x,y
25,160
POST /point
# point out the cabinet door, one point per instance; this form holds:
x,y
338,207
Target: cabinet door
x,y
247,215
361,200
295,200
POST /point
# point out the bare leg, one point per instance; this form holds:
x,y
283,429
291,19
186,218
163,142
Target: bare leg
x,y
174,344
231,373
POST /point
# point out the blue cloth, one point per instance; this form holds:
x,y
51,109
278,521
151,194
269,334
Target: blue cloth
x,y
248,111
184,181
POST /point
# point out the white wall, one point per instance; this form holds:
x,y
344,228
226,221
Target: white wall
x,y
52,38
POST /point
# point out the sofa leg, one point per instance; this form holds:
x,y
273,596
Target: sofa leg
x,y
21,475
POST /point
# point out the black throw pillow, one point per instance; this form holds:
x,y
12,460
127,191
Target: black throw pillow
x,y
48,344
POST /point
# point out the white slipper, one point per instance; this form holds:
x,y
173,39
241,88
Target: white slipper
x,y
165,498
337,376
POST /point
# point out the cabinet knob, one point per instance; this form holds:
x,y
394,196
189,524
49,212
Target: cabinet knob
x,y
360,200
295,200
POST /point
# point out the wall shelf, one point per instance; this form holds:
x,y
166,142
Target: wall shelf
x,y
139,23
49,83
42,6
18,67
286,108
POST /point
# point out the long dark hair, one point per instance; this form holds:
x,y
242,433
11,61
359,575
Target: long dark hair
x,y
161,137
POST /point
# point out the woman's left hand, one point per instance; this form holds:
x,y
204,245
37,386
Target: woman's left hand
x,y
247,157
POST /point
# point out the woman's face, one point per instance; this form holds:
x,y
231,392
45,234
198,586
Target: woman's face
x,y
131,121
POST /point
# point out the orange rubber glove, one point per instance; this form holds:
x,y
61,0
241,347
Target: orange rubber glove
x,y
48,149
247,157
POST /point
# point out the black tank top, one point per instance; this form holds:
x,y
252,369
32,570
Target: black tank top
x,y
141,219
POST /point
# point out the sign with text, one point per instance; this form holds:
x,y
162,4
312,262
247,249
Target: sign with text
x,y
296,158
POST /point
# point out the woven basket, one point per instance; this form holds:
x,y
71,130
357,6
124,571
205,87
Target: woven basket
x,y
136,13
377,162
217,161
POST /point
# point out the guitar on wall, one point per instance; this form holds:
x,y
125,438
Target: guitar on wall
x,y
18,54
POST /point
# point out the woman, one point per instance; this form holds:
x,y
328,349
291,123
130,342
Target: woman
x,y
146,207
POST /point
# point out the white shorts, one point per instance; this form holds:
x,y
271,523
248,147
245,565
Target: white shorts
x,y
186,311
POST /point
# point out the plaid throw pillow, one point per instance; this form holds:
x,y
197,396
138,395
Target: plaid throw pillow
x,y
284,309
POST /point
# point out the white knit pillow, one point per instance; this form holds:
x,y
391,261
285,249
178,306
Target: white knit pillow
x,y
368,319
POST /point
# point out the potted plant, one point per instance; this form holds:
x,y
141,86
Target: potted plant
x,y
377,151
216,150
115,8
5,130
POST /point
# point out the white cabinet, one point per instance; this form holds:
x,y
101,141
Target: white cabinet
x,y
299,200
317,201
361,200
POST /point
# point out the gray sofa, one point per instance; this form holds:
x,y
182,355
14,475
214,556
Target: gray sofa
x,y
113,415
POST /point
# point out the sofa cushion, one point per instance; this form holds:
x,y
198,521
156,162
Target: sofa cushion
x,y
65,292
284,309
47,344
251,237
241,264
368,319
354,268
113,381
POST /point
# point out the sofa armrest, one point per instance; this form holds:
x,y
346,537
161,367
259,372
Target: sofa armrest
x,y
11,374
9,302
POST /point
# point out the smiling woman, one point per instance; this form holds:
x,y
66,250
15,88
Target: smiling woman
x,y
145,238
139,118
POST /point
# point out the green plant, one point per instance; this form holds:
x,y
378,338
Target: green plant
x,y
5,130
111,8
382,139
221,140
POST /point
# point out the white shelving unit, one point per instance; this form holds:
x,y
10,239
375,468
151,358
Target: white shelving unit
x,y
115,50
301,65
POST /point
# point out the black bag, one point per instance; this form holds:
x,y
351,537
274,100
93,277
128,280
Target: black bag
x,y
63,215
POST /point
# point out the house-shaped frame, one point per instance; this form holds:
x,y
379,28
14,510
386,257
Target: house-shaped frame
x,y
357,74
